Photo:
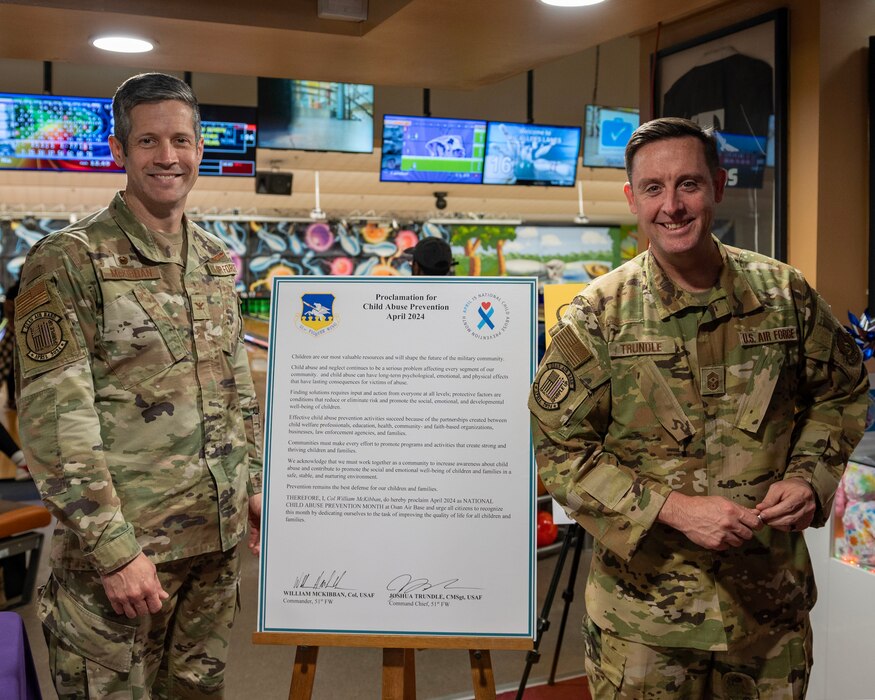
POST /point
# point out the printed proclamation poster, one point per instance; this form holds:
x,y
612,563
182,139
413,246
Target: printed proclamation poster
x,y
399,481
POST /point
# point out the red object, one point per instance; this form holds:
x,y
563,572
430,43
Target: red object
x,y
546,530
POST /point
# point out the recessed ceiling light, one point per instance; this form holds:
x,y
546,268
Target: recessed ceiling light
x,y
571,3
122,44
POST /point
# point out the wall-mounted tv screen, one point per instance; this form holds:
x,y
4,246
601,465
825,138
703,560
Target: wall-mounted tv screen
x,y
531,154
309,115
47,132
606,132
229,140
432,149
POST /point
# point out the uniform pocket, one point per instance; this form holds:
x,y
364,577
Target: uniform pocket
x,y
757,395
138,338
662,401
106,642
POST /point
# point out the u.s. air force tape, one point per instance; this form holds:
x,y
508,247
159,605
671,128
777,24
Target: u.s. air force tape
x,y
552,386
43,336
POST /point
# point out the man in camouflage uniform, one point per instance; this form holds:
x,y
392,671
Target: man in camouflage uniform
x,y
140,421
694,412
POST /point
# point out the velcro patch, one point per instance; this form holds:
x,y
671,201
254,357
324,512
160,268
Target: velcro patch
x,y
571,346
222,269
34,296
651,346
790,334
712,380
200,308
130,273
553,385
847,347
43,336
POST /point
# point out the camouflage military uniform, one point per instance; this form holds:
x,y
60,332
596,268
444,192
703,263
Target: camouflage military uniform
x,y
647,389
138,414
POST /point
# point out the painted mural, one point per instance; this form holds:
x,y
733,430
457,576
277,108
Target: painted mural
x,y
265,248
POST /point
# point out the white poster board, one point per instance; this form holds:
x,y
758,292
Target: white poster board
x,y
399,489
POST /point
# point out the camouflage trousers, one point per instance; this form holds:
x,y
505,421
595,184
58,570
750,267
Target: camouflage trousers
x,y
773,667
179,652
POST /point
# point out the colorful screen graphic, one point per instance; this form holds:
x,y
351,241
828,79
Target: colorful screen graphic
x,y
229,140
310,115
607,130
44,132
430,149
531,154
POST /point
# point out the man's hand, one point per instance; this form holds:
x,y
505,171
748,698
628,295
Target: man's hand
x,y
789,505
255,524
712,522
134,589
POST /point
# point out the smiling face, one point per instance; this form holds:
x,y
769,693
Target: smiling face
x,y
161,161
673,193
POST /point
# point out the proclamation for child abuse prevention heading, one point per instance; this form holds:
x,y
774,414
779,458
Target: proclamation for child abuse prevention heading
x,y
400,489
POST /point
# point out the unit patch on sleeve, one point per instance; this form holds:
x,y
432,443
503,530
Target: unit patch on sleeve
x,y
42,331
847,347
43,336
553,385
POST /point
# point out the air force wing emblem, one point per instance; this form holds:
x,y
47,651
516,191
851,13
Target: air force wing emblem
x,y
317,312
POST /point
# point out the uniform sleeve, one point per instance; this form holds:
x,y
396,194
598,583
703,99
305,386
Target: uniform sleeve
x,y
251,412
570,403
55,328
831,405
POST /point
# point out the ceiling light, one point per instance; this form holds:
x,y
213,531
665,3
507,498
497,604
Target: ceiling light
x,y
571,3
122,44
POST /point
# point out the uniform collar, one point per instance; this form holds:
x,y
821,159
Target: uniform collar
x,y
200,247
733,286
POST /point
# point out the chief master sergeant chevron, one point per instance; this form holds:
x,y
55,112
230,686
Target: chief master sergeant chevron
x,y
695,412
140,421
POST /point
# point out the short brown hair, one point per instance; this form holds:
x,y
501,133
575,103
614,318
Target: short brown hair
x,y
672,128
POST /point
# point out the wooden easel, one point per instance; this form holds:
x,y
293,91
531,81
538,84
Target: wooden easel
x,y
399,671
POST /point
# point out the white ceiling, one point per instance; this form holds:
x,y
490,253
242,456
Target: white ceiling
x,y
440,44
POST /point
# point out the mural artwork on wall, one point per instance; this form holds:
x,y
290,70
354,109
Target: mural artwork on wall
x,y
265,248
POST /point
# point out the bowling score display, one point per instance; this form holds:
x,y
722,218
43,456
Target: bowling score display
x,y
400,488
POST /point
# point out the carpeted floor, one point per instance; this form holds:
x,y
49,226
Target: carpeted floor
x,y
568,689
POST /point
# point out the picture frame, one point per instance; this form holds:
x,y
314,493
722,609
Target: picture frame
x,y
735,80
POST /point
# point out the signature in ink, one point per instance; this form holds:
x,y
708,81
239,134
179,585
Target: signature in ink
x,y
407,583
321,582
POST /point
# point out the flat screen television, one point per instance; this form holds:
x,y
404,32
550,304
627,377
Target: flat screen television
x,y
309,115
531,154
229,140
432,149
606,131
49,132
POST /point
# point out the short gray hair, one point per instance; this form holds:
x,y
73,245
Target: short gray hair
x,y
147,88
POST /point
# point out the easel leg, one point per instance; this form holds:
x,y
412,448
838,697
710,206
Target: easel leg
x,y
481,674
568,597
304,673
399,674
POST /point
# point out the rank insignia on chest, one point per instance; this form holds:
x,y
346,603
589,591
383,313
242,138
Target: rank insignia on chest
x,y
712,380
200,309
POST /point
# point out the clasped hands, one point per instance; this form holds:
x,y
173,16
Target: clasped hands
x,y
717,523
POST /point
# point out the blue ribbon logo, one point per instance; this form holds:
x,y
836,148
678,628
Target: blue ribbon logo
x,y
486,312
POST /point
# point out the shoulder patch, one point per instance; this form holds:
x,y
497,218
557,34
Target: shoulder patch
x,y
34,296
554,383
571,346
43,333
